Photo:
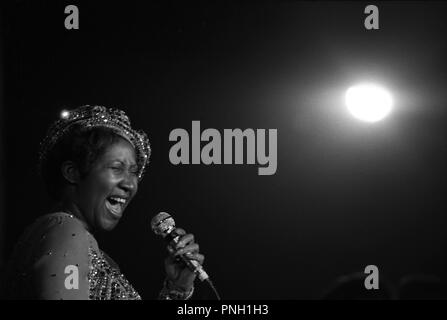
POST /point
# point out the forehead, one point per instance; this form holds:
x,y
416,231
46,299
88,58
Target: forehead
x,y
120,150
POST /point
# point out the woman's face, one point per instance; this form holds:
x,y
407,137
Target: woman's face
x,y
103,195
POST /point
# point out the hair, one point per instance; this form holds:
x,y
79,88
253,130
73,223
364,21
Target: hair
x,y
81,145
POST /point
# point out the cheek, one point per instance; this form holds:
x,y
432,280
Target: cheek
x,y
136,185
105,185
98,187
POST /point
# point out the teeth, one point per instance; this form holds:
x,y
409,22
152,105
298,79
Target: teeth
x,y
120,200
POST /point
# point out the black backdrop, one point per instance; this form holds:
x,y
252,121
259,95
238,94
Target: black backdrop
x,y
345,194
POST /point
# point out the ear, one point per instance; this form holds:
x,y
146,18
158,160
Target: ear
x,y
70,172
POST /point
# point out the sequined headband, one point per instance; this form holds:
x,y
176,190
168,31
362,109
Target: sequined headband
x,y
92,117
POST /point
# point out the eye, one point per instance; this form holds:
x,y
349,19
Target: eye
x,y
117,168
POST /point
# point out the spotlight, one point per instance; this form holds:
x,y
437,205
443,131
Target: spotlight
x,y
368,102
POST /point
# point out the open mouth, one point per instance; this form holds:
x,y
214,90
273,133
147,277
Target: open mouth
x,y
115,205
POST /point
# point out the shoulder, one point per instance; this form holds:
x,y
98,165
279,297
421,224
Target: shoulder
x,y
51,258
65,225
64,245
60,230
60,219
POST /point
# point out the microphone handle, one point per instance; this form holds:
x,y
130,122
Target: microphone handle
x,y
193,265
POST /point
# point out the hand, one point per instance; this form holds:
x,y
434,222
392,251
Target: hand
x,y
176,270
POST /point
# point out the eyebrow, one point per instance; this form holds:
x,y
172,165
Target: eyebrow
x,y
132,165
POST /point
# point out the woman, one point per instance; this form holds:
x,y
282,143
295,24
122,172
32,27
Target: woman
x,y
91,161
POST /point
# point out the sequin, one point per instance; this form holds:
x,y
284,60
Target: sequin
x,y
106,282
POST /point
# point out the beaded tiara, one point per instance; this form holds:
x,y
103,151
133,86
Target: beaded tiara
x,y
92,117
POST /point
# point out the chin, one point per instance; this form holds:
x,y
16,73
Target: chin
x,y
108,225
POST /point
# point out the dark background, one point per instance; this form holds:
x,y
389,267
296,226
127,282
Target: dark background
x,y
345,195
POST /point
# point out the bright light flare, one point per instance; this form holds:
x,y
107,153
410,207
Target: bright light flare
x,y
65,114
368,102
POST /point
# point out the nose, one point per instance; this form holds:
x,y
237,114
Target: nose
x,y
129,183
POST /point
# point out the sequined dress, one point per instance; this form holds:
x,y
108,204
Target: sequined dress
x,y
58,258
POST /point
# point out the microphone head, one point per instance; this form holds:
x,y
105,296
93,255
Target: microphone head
x,y
162,224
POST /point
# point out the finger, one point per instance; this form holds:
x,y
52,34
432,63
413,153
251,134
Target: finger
x,y
193,248
179,231
184,241
176,235
169,263
195,256
172,262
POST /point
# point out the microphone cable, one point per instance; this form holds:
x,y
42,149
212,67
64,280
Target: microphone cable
x,y
214,288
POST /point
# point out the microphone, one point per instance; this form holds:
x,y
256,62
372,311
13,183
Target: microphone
x,y
164,225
